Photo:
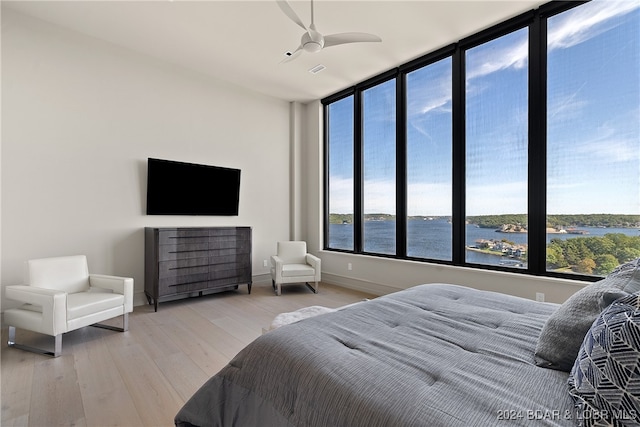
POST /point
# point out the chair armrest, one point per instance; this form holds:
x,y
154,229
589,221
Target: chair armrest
x,y
276,261
316,263
313,260
276,267
52,301
117,284
33,295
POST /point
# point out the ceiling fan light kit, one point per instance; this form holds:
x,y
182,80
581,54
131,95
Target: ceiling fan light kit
x,y
313,41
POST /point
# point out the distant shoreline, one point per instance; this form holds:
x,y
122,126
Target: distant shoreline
x,y
513,223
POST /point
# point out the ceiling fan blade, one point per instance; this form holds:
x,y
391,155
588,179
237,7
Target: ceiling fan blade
x,y
284,6
343,38
293,55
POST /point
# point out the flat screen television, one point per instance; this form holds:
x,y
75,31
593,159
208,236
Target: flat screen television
x,y
178,188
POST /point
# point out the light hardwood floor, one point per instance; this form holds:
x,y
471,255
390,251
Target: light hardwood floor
x,y
143,377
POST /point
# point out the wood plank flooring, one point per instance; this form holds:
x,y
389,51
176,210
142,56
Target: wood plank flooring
x,y
142,377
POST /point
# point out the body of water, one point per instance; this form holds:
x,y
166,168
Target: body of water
x,y
431,239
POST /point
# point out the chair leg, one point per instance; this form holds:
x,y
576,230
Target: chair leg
x,y
278,288
57,346
125,325
313,288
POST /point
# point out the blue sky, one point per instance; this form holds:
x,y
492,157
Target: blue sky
x,y
593,124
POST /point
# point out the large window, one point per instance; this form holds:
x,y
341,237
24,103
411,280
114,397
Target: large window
x,y
340,174
379,148
518,148
496,150
429,147
593,137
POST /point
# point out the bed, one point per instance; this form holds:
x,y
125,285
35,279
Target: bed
x,y
441,355
435,354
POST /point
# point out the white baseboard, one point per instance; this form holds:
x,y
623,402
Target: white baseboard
x,y
358,284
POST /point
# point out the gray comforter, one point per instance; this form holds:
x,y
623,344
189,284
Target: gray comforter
x,y
432,355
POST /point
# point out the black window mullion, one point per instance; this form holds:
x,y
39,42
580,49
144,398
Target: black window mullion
x,y
459,171
358,170
401,166
325,159
537,174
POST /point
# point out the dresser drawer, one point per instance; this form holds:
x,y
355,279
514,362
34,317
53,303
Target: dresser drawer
x,y
183,267
182,251
225,243
182,236
232,270
221,283
237,246
216,233
214,253
172,285
243,259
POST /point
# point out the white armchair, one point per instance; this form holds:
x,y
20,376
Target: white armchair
x,y
293,264
62,296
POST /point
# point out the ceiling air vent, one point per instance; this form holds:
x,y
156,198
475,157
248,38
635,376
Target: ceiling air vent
x,y
317,69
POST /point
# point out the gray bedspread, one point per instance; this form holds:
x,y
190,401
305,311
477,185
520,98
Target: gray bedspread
x,y
432,355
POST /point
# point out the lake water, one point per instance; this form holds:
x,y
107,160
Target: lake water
x,y
432,239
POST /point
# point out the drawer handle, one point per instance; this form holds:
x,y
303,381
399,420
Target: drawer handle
x,y
191,266
188,283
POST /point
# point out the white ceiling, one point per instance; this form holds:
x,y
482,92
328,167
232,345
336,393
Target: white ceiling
x,y
244,42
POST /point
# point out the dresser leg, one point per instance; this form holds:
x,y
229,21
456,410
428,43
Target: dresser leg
x,y
249,286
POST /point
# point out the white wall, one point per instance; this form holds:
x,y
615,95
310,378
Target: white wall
x,y
382,275
81,116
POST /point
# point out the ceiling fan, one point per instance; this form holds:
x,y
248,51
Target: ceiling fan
x,y
313,41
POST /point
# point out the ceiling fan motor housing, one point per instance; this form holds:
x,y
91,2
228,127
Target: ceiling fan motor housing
x,y
312,41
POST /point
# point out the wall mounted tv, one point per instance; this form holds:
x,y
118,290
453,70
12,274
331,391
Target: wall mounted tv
x,y
177,188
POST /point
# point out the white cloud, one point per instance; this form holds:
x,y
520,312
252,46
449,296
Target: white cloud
x,y
610,142
498,198
587,21
612,150
340,195
569,29
566,107
379,196
429,199
515,55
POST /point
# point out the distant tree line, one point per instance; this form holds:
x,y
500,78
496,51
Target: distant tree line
x,y
559,221
594,220
348,218
497,221
335,218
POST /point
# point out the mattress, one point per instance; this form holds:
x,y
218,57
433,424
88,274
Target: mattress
x,y
434,355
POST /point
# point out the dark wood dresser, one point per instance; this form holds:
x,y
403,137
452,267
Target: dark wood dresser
x,y
183,261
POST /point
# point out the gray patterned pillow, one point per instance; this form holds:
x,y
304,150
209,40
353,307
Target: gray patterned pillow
x,y
565,329
605,379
